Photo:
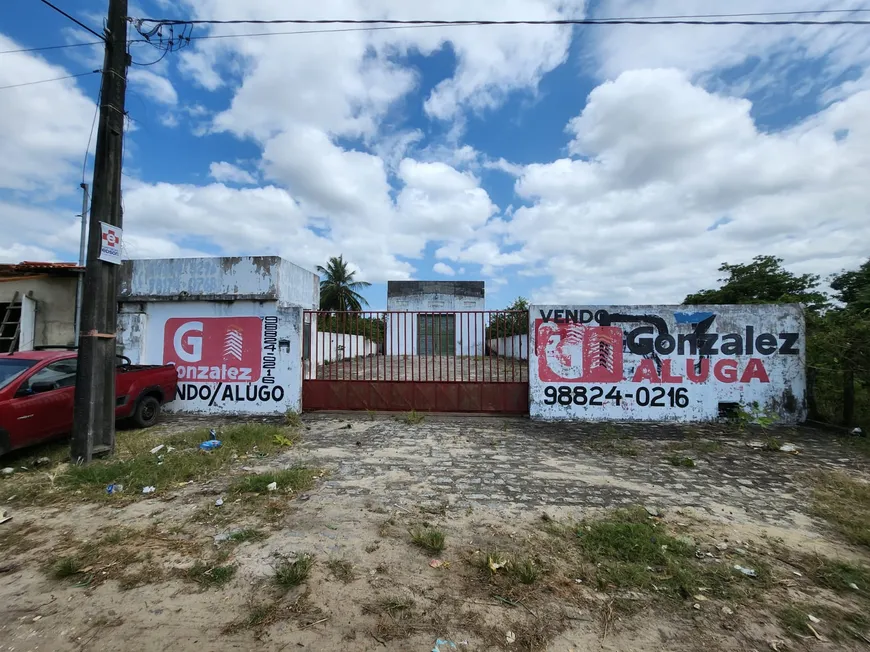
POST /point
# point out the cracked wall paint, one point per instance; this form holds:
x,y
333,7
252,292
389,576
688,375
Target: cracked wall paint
x,y
681,363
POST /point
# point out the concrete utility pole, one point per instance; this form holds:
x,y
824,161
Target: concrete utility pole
x,y
83,252
94,420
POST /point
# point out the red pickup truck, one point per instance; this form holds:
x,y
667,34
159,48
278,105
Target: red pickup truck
x,y
37,389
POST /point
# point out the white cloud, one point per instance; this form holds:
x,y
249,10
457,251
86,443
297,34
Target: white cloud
x,y
158,88
229,173
44,127
443,269
665,161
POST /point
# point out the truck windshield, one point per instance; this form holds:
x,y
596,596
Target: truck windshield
x,y
10,369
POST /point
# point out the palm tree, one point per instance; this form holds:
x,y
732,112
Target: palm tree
x,y
338,290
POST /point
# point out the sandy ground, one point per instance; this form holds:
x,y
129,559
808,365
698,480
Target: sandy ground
x,y
486,482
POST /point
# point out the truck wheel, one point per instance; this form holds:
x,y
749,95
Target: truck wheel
x,y
4,442
146,412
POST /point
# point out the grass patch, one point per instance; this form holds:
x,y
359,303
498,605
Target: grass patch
x,y
428,538
209,575
292,419
834,623
396,606
290,574
834,574
66,567
793,621
679,460
413,418
135,467
845,503
342,570
288,481
248,535
524,570
629,550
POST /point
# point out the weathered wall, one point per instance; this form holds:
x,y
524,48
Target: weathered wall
x,y
265,278
435,296
516,347
340,346
241,357
55,298
667,362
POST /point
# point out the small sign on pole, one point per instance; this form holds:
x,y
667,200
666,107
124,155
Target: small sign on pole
x,y
110,245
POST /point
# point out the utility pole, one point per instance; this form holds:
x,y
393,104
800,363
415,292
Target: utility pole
x,y
94,420
83,251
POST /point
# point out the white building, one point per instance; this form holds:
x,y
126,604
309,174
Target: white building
x,y
442,320
232,327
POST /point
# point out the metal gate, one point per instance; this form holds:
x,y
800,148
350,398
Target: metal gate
x,y
473,361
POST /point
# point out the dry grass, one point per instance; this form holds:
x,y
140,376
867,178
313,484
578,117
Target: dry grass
x,y
844,502
133,466
342,570
292,573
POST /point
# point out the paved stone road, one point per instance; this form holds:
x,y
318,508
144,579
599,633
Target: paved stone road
x,y
518,464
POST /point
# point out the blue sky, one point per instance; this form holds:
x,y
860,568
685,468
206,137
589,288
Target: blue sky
x,y
592,165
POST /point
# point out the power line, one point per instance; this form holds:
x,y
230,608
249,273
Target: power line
x,y
75,20
51,47
139,22
44,81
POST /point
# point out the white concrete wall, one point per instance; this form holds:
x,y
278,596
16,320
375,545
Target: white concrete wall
x,y
241,357
516,347
267,278
325,348
655,362
55,298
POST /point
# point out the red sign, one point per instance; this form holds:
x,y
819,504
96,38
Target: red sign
x,y
577,353
225,349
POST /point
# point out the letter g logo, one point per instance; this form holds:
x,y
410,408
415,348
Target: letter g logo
x,y
193,351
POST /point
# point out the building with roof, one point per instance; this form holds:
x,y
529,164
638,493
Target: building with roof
x,y
37,305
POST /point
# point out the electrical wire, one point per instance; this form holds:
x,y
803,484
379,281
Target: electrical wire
x,y
150,63
75,20
91,134
139,22
52,47
44,81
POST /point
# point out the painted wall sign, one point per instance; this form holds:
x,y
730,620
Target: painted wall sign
x,y
110,243
666,362
228,349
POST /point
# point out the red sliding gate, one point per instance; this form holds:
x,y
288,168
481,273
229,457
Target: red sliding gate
x,y
475,361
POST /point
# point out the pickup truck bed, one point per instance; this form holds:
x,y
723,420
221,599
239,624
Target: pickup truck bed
x,y
37,391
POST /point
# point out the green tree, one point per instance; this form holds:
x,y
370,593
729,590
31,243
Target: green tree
x,y
338,290
853,288
764,280
514,321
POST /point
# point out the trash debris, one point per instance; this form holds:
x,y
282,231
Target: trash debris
x,y
857,432
442,645
701,598
755,444
652,511
815,633
777,645
436,563
788,448
272,486
696,606
212,443
37,618
797,574
157,449
813,619
578,581
7,471
148,490
114,488
220,538
510,637
746,571
495,565
42,460
728,611
219,502
853,586
4,516
722,546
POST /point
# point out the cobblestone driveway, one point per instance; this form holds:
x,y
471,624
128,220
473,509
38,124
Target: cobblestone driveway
x,y
514,464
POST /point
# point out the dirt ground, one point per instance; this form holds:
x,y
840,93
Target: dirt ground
x,y
335,566
432,368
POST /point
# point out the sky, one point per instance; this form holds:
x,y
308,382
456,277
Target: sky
x,y
585,165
